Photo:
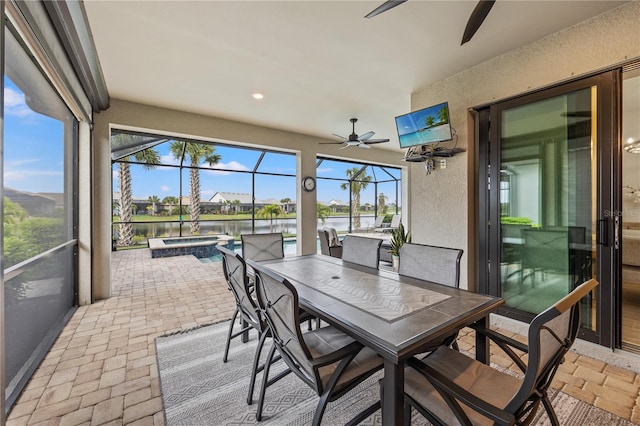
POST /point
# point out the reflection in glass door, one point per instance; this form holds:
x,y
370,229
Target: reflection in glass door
x,y
630,306
547,199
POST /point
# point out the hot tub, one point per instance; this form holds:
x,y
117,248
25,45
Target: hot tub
x,y
199,247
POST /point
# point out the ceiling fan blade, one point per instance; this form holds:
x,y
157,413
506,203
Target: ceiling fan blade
x,y
366,136
390,4
342,138
476,19
375,141
331,143
346,146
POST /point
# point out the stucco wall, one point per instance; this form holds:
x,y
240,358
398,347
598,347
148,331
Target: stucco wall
x,y
129,115
442,203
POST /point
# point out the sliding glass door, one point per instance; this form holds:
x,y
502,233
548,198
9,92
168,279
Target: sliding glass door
x,y
547,208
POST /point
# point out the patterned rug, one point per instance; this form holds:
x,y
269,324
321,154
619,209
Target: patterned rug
x,y
199,389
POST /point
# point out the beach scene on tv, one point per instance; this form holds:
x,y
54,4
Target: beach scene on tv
x,y
428,125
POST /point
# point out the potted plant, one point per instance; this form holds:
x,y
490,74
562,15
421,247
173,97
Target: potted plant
x,y
398,238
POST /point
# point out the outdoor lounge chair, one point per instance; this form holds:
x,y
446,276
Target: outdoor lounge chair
x,y
395,222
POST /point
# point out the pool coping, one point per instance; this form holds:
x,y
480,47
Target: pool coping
x,y
204,248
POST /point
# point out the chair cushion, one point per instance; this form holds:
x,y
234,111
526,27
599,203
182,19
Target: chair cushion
x,y
487,383
326,340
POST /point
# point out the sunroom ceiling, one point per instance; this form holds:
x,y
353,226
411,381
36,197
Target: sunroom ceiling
x,y
318,63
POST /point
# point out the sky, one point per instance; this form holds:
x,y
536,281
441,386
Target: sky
x,y
34,162
33,146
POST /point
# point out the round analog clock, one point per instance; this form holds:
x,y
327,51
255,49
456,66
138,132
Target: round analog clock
x,y
308,184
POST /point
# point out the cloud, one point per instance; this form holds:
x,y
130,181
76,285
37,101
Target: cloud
x,y
323,170
165,188
15,103
228,167
15,177
168,159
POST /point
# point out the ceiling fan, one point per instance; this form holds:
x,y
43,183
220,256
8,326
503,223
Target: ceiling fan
x,y
475,20
362,141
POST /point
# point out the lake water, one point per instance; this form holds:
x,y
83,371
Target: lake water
x,y
239,227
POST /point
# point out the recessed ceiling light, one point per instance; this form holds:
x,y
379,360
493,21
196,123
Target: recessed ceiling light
x,y
257,96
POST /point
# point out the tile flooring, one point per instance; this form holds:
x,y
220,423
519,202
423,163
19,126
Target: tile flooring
x,y
102,369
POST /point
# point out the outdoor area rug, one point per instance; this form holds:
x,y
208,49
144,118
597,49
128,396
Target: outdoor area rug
x,y
199,389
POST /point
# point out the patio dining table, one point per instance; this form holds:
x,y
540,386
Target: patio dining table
x,y
396,316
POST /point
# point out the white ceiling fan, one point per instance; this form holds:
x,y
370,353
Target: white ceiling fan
x,y
362,141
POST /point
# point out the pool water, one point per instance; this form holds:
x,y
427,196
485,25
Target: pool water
x,y
290,247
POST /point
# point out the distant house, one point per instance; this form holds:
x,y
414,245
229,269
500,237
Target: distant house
x,y
338,205
241,202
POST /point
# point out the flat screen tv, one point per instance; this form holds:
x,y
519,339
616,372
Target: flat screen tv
x,y
424,126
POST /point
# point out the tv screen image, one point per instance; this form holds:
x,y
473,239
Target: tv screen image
x,y
424,126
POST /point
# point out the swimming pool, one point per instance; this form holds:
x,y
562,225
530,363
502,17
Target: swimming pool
x,y
290,247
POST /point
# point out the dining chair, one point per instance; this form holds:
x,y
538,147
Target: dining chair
x,y
440,265
269,246
325,247
262,246
327,360
234,269
448,387
361,250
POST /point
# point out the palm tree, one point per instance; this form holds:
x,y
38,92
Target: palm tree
x,y
171,201
149,158
153,199
443,115
270,211
323,212
197,153
285,203
356,186
236,205
429,121
382,204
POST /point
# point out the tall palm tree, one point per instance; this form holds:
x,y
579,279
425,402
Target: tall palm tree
x,y
285,204
171,201
150,159
153,199
356,186
197,153
443,115
270,211
236,205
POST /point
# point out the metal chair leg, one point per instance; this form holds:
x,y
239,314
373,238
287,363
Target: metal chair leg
x,y
231,323
256,361
265,380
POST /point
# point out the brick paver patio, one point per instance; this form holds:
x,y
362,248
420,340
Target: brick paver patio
x,y
102,369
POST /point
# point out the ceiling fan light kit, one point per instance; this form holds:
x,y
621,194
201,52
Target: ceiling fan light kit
x,y
362,141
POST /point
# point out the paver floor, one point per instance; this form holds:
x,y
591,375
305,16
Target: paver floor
x,y
102,369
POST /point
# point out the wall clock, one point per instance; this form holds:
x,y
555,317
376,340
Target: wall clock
x,y
308,184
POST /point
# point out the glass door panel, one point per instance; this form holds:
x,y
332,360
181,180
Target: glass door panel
x,y
547,198
631,211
